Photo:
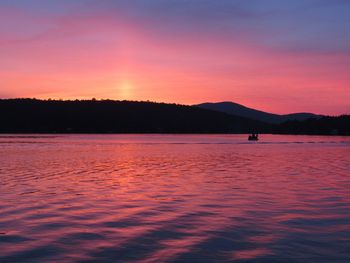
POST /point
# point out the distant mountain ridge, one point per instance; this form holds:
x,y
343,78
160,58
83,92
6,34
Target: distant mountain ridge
x,y
108,116
243,111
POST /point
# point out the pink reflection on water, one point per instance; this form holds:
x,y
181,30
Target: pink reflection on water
x,y
161,198
251,254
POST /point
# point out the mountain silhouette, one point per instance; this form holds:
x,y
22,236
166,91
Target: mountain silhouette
x,y
107,116
243,111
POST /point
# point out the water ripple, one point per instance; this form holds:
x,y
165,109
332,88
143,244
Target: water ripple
x,y
119,198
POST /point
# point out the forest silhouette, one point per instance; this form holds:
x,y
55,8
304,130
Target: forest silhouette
x,y
109,116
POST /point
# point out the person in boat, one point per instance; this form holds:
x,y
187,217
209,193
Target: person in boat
x,y
253,137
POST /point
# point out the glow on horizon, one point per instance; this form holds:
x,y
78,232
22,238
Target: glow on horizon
x,y
121,50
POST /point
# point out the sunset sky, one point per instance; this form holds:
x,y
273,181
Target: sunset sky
x,y
275,55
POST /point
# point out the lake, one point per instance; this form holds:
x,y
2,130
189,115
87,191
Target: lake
x,y
174,198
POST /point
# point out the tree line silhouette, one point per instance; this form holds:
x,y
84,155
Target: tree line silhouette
x,y
108,116
326,125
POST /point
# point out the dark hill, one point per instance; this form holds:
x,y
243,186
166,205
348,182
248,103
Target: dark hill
x,y
323,126
240,110
107,116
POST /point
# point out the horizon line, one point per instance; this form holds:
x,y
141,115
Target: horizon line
x,y
161,102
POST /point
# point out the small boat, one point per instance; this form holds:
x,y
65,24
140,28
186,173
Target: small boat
x,y
253,137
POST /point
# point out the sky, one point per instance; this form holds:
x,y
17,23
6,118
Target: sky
x,y
279,56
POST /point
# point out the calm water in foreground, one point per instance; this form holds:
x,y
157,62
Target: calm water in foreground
x,y
174,198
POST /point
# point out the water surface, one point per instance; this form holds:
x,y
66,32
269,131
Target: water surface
x,y
174,198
